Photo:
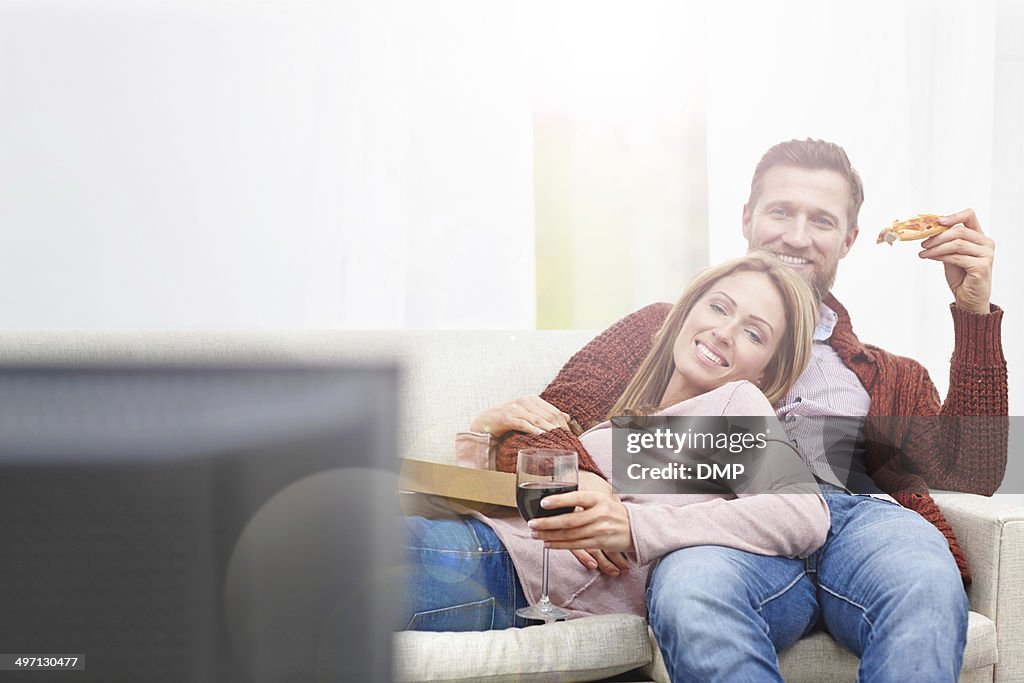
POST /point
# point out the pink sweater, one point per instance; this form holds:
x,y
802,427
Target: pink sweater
x,y
789,525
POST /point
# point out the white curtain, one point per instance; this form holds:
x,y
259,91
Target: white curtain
x,y
286,164
435,196
619,156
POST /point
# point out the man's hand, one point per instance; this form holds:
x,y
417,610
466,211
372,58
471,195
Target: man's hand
x,y
967,254
602,523
530,414
611,563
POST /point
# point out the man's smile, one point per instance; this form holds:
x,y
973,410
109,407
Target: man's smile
x,y
791,260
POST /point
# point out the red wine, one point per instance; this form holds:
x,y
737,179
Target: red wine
x,y
529,495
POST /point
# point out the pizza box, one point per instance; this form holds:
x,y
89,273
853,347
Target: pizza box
x,y
463,487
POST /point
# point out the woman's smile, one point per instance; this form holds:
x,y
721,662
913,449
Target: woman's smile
x,y
711,356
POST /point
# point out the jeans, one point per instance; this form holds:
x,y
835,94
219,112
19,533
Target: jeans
x,y
884,585
460,577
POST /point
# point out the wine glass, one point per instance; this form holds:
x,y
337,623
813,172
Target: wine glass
x,y
542,472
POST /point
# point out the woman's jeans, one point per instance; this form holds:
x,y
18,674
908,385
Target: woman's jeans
x,y
460,577
884,585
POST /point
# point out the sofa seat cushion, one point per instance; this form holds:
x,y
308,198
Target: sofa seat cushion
x,y
585,649
820,658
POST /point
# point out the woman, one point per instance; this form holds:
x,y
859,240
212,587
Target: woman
x,y
734,343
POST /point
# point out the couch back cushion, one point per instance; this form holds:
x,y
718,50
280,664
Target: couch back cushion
x,y
447,377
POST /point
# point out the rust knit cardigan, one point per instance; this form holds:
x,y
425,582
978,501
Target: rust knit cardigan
x,y
911,454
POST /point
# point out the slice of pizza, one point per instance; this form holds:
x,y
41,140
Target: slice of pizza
x,y
916,228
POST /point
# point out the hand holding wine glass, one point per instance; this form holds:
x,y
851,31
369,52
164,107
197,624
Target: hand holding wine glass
x,y
608,562
542,472
600,522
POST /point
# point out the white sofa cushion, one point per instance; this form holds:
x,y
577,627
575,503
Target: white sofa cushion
x,y
587,649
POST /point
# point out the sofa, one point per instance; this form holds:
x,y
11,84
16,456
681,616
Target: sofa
x,y
449,376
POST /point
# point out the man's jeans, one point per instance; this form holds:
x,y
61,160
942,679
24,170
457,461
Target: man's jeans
x,y
884,584
460,577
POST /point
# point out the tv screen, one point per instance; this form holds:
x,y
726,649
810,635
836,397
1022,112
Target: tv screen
x,y
197,523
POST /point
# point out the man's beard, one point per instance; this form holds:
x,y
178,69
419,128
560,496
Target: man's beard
x,y
821,278
822,281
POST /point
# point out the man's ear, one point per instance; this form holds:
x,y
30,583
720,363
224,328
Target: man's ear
x,y
851,237
746,221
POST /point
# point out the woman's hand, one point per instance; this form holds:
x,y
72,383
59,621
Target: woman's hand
x,y
611,563
530,414
601,524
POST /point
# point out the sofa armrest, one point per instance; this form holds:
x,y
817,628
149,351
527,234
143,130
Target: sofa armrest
x,y
992,536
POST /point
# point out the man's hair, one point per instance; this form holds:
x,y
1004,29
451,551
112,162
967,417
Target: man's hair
x,y
811,154
645,390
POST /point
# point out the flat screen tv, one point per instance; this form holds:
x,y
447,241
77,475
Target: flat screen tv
x,y
197,523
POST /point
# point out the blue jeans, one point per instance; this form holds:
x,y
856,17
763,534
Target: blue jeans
x,y
884,585
460,577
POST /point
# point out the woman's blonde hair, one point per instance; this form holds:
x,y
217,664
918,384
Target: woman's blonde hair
x,y
644,392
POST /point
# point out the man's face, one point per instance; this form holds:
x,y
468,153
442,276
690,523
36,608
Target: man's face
x,y
801,216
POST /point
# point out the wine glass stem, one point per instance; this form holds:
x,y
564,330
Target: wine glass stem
x,y
545,601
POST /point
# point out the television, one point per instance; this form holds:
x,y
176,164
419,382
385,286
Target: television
x,y
197,523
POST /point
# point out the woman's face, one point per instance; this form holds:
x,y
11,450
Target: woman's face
x,y
730,334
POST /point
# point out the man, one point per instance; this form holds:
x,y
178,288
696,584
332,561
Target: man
x,y
886,583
